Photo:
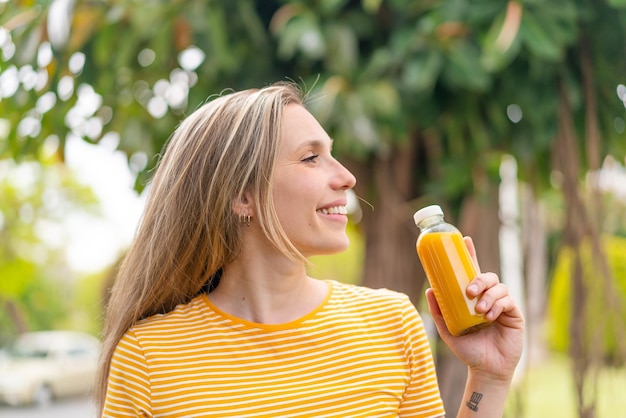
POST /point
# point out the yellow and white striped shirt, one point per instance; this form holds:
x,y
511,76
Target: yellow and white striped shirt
x,y
362,353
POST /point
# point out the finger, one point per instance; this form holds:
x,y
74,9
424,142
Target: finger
x,y
510,314
481,283
504,309
491,297
469,243
435,313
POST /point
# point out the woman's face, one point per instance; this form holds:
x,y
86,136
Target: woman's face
x,y
310,186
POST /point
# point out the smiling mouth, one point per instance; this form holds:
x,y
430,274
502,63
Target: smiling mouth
x,y
335,210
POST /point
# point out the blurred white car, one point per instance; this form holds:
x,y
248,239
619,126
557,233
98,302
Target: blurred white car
x,y
41,366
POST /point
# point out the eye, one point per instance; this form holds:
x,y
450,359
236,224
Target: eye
x,y
310,159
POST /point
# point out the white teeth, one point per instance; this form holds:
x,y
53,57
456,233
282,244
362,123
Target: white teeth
x,y
341,210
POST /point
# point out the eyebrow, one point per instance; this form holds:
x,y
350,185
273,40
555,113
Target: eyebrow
x,y
316,143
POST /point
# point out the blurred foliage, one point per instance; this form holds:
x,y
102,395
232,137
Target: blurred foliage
x,y
607,309
87,305
378,71
549,391
35,197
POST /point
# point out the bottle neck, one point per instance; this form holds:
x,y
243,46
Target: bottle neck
x,y
430,221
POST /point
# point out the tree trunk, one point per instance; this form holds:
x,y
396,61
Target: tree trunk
x,y
576,227
534,244
593,138
15,314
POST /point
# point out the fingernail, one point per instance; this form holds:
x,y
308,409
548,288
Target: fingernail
x,y
473,289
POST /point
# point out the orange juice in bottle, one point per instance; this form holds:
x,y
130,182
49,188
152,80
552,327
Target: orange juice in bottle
x,y
449,269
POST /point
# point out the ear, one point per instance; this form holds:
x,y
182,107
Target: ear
x,y
244,206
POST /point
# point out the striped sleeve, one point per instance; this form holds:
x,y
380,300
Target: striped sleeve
x,y
128,389
422,397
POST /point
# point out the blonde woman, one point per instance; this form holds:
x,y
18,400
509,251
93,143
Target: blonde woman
x,y
213,313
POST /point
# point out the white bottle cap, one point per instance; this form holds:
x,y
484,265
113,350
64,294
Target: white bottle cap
x,y
425,212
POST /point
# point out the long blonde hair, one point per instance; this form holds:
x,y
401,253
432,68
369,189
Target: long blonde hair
x,y
188,231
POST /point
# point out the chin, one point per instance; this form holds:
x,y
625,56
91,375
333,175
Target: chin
x,y
318,251
337,249
327,247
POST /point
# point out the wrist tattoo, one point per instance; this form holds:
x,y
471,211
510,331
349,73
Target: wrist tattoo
x,y
474,401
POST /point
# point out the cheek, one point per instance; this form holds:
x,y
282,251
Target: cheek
x,y
294,202
283,202
293,188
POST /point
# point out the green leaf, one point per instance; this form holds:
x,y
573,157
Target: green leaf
x,y
464,69
617,3
502,42
301,34
161,44
343,49
381,97
371,6
422,70
328,7
379,63
537,38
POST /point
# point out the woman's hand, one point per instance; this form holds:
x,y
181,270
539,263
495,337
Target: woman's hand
x,y
491,353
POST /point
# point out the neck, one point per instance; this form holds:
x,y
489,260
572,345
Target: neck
x,y
267,290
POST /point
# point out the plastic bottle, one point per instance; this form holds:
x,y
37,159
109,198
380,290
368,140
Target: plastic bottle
x,y
449,269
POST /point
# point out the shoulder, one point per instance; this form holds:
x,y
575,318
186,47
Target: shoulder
x,y
159,333
358,291
184,317
382,308
361,295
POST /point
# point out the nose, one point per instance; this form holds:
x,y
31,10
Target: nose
x,y
344,179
